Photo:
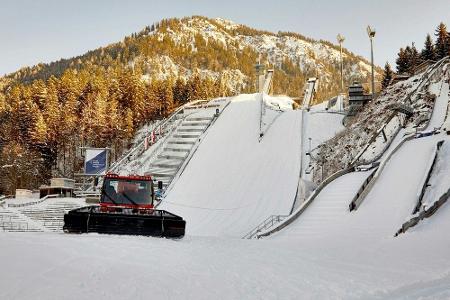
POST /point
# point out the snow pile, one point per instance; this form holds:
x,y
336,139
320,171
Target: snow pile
x,y
281,103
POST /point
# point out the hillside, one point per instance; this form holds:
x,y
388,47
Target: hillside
x,y
215,48
102,97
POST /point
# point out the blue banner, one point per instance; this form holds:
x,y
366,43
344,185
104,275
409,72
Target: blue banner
x,y
95,161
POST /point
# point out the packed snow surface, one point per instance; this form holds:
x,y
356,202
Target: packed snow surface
x,y
441,90
327,253
235,181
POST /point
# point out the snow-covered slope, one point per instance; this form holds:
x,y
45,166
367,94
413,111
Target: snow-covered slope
x,y
233,181
278,47
327,253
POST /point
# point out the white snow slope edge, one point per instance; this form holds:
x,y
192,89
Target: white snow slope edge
x,y
233,181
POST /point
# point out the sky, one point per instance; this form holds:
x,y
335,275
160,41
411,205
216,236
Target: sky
x,y
34,31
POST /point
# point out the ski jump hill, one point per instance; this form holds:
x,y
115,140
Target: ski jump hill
x,y
376,230
236,180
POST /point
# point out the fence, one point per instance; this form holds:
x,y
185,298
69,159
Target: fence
x,y
14,226
33,202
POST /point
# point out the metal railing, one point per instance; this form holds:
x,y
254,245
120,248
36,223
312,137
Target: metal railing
x,y
266,224
167,126
14,226
424,184
32,202
426,213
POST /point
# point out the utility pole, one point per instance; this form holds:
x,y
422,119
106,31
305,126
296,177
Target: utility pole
x,y
341,40
371,33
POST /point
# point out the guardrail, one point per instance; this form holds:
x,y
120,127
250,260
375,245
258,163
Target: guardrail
x,y
425,213
356,201
14,226
305,204
374,137
33,202
423,186
267,223
161,124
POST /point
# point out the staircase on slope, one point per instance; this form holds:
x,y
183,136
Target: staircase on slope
x,y
11,221
45,216
51,214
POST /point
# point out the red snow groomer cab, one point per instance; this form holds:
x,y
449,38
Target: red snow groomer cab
x,y
126,207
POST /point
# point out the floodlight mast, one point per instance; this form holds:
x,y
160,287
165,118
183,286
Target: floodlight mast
x,y
371,33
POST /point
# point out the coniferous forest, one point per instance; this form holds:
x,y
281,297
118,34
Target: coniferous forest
x,y
409,57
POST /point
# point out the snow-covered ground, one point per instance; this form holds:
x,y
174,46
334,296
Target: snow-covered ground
x,y
58,266
233,182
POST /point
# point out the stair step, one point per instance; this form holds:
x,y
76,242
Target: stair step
x,y
199,118
171,156
181,142
195,123
161,172
161,175
172,149
190,129
166,164
186,136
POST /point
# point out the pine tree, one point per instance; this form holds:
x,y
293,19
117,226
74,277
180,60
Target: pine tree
x,y
387,76
39,130
402,61
413,59
442,41
428,52
128,123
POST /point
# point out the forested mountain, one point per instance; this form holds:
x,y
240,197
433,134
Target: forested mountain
x,y
101,98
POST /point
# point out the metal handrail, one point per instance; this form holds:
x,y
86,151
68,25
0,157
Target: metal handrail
x,y
272,220
33,202
162,124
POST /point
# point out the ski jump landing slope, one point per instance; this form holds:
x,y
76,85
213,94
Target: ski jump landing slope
x,y
387,206
234,182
